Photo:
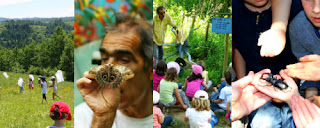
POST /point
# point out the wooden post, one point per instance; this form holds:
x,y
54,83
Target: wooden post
x,y
225,61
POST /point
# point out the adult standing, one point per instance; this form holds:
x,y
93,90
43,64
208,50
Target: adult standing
x,y
160,23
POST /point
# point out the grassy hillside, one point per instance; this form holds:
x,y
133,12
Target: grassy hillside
x,y
25,110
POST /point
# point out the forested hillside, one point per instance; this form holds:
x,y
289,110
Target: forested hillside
x,y
37,47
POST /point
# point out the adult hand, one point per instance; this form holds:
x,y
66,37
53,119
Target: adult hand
x,y
274,92
315,99
245,97
304,113
307,69
272,42
103,101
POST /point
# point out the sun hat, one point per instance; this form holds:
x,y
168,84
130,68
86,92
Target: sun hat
x,y
156,97
53,78
197,69
175,65
201,95
60,106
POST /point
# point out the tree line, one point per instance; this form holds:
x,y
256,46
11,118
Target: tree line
x,y
41,58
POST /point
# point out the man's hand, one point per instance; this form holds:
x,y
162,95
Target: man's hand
x,y
276,93
315,99
307,69
304,113
245,97
272,42
102,100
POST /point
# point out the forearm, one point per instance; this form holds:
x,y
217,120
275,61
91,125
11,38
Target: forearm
x,y
103,121
280,14
239,64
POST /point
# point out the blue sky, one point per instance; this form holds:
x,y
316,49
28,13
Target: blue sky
x,y
36,8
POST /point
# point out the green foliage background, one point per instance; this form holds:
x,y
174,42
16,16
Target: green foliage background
x,y
37,47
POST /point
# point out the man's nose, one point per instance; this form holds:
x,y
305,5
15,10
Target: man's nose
x,y
316,8
111,60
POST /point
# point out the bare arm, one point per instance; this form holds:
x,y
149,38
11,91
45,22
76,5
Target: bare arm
x,y
280,14
161,118
179,98
239,64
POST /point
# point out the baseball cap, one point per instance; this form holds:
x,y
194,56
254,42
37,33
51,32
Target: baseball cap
x,y
201,95
156,97
43,78
197,69
62,107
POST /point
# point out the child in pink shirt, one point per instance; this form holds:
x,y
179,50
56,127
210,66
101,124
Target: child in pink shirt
x,y
159,74
158,117
194,81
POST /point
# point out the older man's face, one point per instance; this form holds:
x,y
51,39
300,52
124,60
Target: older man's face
x,y
124,49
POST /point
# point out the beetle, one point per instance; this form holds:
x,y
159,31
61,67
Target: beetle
x,y
277,83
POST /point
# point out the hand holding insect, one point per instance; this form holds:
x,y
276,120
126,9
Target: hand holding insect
x,y
101,89
277,92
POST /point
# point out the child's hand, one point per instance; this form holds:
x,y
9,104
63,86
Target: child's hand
x,y
272,42
307,69
304,113
315,99
276,93
185,107
245,97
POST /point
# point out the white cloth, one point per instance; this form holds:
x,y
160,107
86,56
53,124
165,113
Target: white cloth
x,y
20,82
5,75
225,96
55,88
59,76
198,119
83,118
31,76
44,88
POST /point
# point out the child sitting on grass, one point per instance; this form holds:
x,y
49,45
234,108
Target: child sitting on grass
x,y
169,92
194,81
159,74
59,112
159,121
199,115
204,74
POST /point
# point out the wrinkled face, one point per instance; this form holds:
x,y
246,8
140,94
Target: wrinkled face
x,y
257,3
312,9
124,49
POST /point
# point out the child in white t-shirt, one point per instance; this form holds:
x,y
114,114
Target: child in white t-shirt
x,y
20,83
44,89
55,88
199,115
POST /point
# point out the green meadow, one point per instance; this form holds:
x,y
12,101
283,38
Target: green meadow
x,y
20,110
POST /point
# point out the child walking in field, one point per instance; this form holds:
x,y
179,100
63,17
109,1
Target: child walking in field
x,y
44,89
20,83
159,74
194,81
59,112
159,120
31,83
169,92
55,88
199,115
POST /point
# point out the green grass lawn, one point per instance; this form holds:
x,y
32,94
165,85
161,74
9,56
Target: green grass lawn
x,y
25,110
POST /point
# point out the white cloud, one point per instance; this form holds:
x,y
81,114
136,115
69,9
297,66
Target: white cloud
x,y
10,2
